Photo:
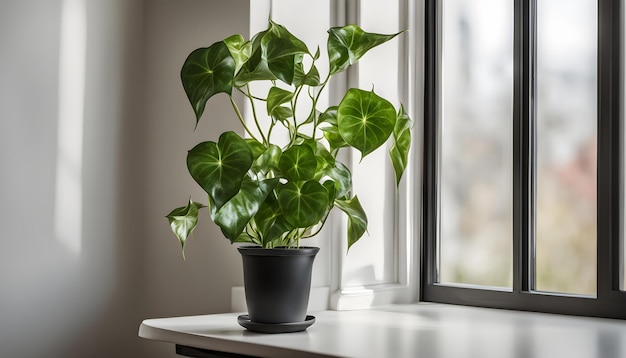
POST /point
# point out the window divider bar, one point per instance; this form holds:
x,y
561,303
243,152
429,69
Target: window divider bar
x,y
609,151
524,140
430,200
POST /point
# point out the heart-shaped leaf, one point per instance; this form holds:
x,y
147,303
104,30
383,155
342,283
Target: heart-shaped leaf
x,y
357,219
365,120
346,45
206,72
399,152
298,163
303,204
219,168
183,220
233,216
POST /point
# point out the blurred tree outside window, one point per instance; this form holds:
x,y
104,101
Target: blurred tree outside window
x,y
476,150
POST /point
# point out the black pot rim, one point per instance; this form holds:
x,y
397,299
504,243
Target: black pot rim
x,y
279,251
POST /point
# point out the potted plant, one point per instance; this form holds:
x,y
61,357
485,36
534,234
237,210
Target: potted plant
x,y
272,195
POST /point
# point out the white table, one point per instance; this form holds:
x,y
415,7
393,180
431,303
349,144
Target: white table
x,y
417,330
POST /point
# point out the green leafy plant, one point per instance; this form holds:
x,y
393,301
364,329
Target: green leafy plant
x,y
275,195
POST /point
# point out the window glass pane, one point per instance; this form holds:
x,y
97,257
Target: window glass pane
x,y
566,146
475,239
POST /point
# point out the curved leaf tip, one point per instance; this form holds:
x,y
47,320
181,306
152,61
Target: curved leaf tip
x,y
183,220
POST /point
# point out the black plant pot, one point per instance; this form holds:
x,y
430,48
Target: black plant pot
x,y
277,283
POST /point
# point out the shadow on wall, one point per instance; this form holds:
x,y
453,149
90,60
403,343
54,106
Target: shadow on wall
x,y
85,253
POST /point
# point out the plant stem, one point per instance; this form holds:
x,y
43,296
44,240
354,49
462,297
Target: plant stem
x,y
294,102
256,120
243,123
315,103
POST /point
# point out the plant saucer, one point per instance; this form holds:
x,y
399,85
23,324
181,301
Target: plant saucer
x,y
260,327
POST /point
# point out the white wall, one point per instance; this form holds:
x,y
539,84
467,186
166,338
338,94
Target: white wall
x,y
85,295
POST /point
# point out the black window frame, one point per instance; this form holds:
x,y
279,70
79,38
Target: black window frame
x,y
609,301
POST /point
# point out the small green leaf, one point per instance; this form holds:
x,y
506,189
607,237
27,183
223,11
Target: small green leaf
x,y
268,161
331,188
346,45
399,152
357,219
282,113
219,168
245,238
303,204
282,51
269,221
324,158
183,220
342,178
331,130
240,50
233,216
275,97
298,163
312,78
256,68
206,72
256,147
365,120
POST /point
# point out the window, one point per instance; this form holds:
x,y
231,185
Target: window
x,y
523,156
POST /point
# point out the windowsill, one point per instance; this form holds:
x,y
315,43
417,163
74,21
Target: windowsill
x,y
417,330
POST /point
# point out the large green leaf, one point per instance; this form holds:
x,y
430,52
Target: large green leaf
x,y
233,217
303,204
365,120
346,45
206,72
399,152
298,163
357,219
183,220
219,168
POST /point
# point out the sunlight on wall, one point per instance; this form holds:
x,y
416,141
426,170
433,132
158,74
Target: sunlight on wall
x,y
69,193
372,260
